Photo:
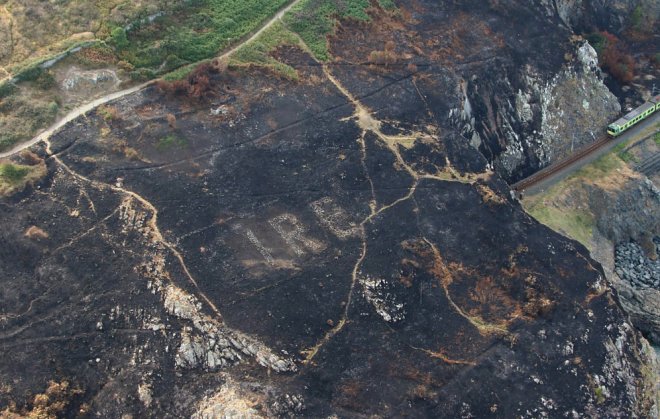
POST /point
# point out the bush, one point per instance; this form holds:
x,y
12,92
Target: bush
x,y
30,73
196,86
45,81
612,56
12,173
118,39
597,41
7,89
142,74
171,141
108,113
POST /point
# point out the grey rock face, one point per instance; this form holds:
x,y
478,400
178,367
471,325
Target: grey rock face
x,y
548,115
633,212
611,15
637,268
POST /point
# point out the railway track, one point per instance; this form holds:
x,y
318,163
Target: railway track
x,y
649,166
560,165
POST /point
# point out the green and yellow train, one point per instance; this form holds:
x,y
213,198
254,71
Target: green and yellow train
x,y
633,117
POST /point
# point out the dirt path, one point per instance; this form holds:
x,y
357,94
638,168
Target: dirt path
x,y
83,109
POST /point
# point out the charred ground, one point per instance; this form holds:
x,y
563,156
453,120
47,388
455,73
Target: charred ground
x,y
332,245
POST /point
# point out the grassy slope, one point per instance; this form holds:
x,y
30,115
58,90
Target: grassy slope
x,y
314,20
184,34
14,177
564,207
307,26
170,43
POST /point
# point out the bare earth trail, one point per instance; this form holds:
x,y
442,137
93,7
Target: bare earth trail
x,y
83,109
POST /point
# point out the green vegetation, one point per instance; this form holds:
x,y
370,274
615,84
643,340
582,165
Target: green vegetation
x,y
641,21
108,113
13,174
656,138
577,224
14,177
258,51
600,395
597,41
624,154
190,32
637,18
181,72
23,114
7,89
554,209
599,168
314,20
171,141
148,39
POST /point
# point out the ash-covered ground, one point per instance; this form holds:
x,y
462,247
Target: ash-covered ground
x,y
329,246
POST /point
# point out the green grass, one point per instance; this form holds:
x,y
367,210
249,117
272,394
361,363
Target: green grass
x,y
258,51
191,32
314,20
22,115
180,73
14,177
576,224
623,154
12,173
171,141
599,168
656,138
387,4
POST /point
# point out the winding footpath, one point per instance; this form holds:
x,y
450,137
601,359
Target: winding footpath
x,y
83,109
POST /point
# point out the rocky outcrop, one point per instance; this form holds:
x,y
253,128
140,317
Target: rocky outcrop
x,y
629,212
547,114
642,305
633,265
638,285
611,15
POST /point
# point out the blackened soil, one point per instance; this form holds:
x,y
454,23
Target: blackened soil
x,y
397,274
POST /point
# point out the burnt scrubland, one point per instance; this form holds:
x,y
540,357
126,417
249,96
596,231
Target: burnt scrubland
x,y
314,228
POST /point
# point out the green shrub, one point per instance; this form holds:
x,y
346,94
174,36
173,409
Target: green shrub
x,y
45,81
597,41
142,74
171,141
118,39
637,18
12,173
7,89
192,32
30,74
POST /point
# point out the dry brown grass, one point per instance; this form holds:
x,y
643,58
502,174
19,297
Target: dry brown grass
x,y
35,233
51,404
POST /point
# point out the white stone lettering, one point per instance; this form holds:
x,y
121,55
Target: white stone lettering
x,y
335,219
265,252
292,231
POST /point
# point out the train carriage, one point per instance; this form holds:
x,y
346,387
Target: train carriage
x,y
630,119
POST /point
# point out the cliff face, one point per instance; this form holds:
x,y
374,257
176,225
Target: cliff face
x,y
609,15
546,101
536,115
